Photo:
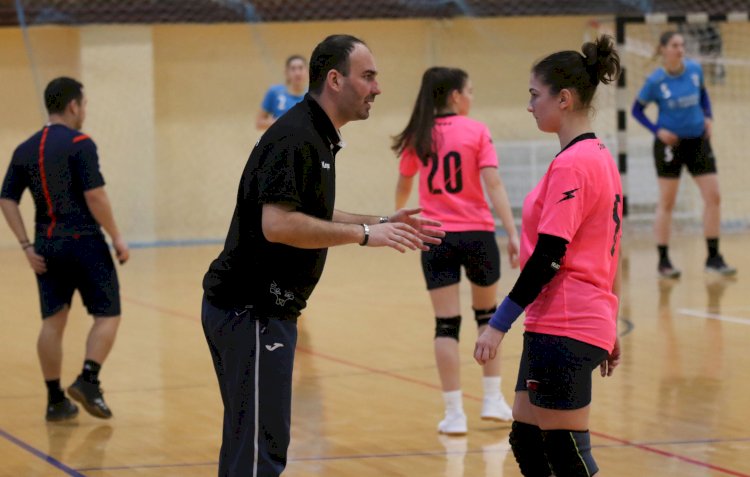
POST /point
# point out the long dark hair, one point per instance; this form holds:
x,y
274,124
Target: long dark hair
x,y
438,83
598,63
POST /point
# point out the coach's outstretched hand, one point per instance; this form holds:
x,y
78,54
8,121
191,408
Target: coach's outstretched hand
x,y
405,229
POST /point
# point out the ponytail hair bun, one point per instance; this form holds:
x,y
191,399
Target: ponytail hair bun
x,y
601,60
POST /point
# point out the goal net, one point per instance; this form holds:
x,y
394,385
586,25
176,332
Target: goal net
x,y
719,42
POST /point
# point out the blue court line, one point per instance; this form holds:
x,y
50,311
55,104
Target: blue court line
x,y
147,466
403,455
36,452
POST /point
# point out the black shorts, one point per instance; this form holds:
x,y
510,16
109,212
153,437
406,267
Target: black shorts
x,y
476,251
556,371
694,153
83,264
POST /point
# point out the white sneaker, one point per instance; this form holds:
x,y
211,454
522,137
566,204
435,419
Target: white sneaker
x,y
496,409
453,425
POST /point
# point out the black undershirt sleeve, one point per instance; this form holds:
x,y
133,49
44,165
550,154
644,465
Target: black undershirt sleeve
x,y
543,264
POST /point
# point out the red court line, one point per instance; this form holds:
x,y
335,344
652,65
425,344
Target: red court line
x,y
383,372
161,309
672,455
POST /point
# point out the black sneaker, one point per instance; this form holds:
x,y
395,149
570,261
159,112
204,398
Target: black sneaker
x,y
717,265
61,411
666,270
90,397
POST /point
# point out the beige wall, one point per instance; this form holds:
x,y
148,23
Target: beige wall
x,y
172,107
117,70
55,52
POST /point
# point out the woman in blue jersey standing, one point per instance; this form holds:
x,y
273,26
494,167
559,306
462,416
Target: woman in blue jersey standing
x,y
682,135
281,97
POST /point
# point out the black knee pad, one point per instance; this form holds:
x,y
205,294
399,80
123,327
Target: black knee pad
x,y
483,316
448,327
569,453
528,448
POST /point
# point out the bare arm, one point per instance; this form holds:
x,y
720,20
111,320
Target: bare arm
x,y
349,218
12,214
403,190
100,207
282,224
263,120
500,202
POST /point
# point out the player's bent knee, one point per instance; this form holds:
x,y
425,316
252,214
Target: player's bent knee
x,y
448,327
482,317
569,452
528,449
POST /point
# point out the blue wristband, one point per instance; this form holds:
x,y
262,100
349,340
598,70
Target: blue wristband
x,y
505,315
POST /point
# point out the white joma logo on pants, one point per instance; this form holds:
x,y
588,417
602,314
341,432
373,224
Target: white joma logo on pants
x,y
275,346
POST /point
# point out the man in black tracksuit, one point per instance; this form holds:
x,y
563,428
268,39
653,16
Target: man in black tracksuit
x,y
275,251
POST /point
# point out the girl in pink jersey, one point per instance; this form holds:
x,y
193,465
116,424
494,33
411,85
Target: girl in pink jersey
x,y
570,238
453,155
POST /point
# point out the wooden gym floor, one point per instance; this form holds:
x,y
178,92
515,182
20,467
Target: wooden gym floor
x,y
366,399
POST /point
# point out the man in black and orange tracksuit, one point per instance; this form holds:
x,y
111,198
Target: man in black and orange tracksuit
x,y
60,167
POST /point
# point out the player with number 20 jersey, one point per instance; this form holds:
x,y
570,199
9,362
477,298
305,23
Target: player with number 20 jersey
x,y
449,184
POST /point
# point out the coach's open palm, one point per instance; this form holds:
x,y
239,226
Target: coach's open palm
x,y
425,227
406,230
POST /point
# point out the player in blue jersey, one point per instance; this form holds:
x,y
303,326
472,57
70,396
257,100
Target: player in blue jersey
x,y
60,167
281,97
682,137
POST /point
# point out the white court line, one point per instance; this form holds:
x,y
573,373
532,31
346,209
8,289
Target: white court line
x,y
714,316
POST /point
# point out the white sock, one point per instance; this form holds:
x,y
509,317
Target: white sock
x,y
454,403
492,387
